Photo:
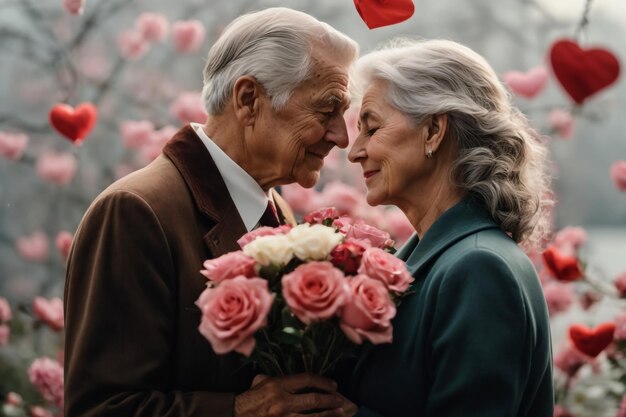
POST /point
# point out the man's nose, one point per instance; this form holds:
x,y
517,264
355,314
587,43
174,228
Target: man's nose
x,y
337,132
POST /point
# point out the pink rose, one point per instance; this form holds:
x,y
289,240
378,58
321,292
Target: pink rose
x,y
64,243
13,145
229,266
34,248
47,375
14,399
620,284
152,26
189,107
49,311
399,226
562,122
570,360
5,310
344,224
527,84
318,216
618,173
136,133
233,311
368,313
37,411
300,199
315,291
559,297
57,168
188,35
132,45
569,239
74,7
562,412
385,267
262,231
158,139
347,255
5,332
376,237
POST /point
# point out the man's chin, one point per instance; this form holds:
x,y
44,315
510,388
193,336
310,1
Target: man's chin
x,y
309,180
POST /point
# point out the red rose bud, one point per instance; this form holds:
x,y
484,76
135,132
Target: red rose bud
x,y
347,256
563,267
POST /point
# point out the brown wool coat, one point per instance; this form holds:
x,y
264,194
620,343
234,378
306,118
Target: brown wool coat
x,y
132,346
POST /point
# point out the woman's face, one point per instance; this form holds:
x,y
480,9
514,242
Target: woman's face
x,y
390,150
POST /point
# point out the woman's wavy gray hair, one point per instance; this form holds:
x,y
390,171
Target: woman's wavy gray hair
x,y
501,159
274,46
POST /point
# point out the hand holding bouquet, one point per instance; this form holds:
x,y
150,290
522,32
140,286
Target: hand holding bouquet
x,y
300,299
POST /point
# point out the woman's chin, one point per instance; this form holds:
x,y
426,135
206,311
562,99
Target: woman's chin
x,y
373,198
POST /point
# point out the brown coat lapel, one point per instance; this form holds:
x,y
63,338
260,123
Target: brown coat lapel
x,y
208,189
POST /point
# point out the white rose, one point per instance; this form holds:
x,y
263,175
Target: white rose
x,y
268,250
313,242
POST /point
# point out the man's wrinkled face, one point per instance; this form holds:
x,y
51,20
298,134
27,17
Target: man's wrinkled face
x,y
300,135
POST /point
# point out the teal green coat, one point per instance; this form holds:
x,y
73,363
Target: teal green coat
x,y
472,340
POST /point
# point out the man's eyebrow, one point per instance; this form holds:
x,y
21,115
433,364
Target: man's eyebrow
x,y
334,99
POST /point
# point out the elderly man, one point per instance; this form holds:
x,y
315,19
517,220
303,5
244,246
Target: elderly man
x,y
275,87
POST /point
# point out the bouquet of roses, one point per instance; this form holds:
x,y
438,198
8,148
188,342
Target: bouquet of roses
x,y
300,299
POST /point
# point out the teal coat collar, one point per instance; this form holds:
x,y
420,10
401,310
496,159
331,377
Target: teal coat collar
x,y
458,222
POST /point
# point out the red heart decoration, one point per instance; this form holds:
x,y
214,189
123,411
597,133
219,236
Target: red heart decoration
x,y
377,13
583,72
562,266
73,123
592,341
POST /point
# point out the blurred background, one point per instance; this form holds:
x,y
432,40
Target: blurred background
x,y
143,73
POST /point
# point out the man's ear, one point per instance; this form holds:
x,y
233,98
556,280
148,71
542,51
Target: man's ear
x,y
437,126
246,99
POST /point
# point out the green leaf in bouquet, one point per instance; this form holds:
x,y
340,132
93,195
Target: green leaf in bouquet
x,y
293,264
391,250
272,274
328,222
622,379
288,319
289,336
309,346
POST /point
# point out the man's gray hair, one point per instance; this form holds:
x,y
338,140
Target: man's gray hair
x,y
274,46
501,159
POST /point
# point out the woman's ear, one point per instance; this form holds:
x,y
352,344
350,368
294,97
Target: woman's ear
x,y
246,99
437,126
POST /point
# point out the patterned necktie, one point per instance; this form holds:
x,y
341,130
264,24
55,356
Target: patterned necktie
x,y
270,216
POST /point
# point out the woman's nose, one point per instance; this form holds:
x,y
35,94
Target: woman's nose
x,y
357,151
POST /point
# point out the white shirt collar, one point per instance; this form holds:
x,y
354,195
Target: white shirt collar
x,y
248,196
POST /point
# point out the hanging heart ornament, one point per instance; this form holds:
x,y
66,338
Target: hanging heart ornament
x,y
73,123
583,72
378,13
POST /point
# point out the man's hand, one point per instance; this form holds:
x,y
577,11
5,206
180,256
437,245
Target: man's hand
x,y
292,395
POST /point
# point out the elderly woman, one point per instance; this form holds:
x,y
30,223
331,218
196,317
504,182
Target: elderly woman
x,y
440,139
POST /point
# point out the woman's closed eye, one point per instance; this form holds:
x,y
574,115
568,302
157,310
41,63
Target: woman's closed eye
x,y
367,131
